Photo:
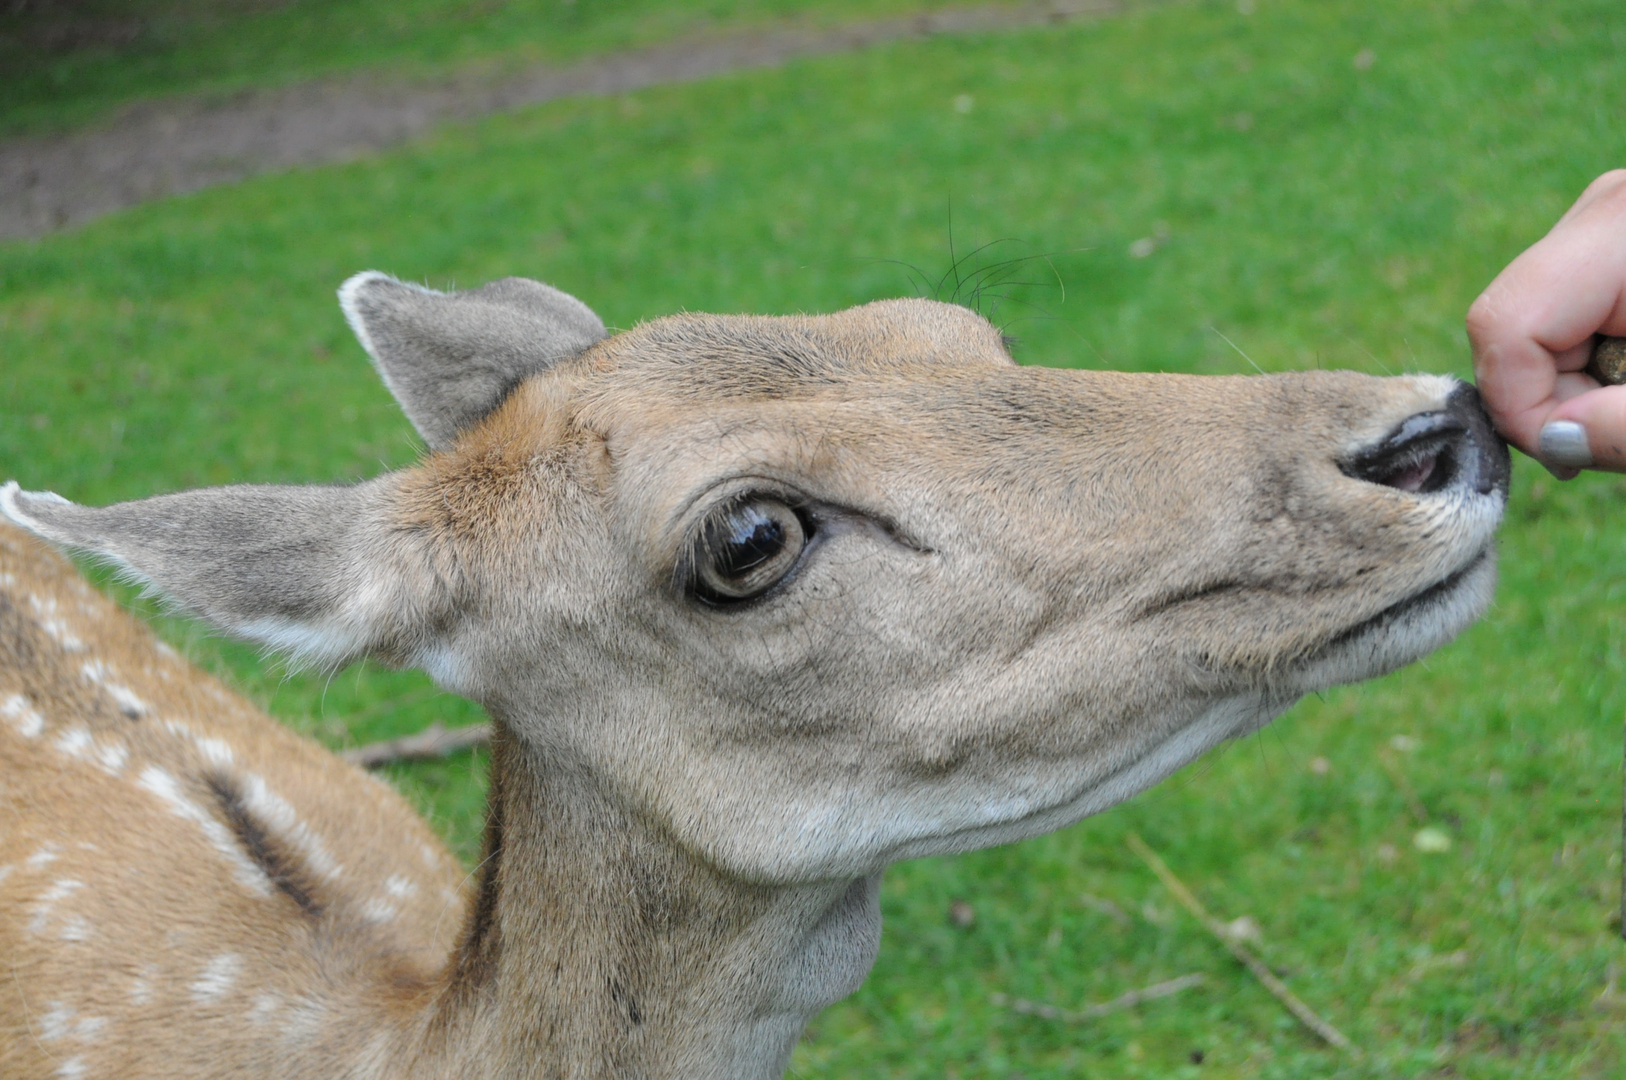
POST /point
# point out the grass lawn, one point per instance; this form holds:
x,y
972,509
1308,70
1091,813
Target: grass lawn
x,y
71,62
1320,183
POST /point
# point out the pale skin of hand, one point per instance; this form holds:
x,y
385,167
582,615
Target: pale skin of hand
x,y
1532,330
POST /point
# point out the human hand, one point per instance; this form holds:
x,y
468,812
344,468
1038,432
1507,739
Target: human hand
x,y
1532,332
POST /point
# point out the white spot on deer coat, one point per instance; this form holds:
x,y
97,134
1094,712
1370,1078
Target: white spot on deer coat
x,y
55,1022
129,704
72,1069
58,1023
279,814
43,857
215,750
27,722
45,610
75,928
127,700
59,890
217,978
304,1018
378,910
141,985
75,742
244,869
399,886
264,1008
111,756
78,743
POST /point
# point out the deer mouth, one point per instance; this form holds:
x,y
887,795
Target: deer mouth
x,y
1416,603
1406,630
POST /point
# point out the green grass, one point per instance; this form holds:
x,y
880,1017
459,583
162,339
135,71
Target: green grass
x,y
60,70
1311,212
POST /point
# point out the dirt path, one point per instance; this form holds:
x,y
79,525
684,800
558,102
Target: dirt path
x,y
178,145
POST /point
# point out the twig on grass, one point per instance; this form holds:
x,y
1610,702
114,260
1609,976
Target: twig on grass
x,y
1105,907
1091,1012
435,741
1419,812
1306,1015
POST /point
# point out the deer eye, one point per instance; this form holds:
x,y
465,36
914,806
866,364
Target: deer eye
x,y
746,548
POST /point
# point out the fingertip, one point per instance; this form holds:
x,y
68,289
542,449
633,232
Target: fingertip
x,y
1558,471
1601,414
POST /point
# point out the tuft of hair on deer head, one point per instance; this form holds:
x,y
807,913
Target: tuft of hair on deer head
x,y
757,605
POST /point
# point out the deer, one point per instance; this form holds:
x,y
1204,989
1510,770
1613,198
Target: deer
x,y
757,605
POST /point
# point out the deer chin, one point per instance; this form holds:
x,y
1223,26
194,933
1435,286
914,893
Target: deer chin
x,y
1404,632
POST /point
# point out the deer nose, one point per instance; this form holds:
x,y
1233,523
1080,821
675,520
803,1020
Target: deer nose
x,y
1453,447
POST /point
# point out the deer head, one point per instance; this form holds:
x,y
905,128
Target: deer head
x,y
793,598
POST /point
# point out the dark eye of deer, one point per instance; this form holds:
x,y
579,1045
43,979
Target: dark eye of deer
x,y
746,548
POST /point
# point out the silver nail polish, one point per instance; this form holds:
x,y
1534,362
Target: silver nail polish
x,y
1563,442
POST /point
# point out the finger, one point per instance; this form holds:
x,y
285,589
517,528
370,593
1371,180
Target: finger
x,y
1603,188
1538,317
1574,358
1518,380
1601,416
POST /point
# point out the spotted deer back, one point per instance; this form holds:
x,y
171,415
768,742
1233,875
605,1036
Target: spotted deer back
x,y
172,856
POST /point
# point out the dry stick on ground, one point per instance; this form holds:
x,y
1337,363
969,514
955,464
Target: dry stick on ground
x,y
434,741
1419,812
1091,1012
1298,1008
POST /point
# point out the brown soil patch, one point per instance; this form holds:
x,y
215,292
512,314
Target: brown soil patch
x,y
182,144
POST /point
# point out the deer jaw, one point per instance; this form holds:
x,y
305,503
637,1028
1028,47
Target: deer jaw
x,y
1024,595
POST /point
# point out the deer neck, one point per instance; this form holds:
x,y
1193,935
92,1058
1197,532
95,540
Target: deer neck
x,y
600,948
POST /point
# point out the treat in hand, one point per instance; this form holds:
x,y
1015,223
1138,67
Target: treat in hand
x,y
1608,363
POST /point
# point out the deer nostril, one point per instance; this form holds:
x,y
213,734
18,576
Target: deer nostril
x,y
1422,455
1420,475
1451,447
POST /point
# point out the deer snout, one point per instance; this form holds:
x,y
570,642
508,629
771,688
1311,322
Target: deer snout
x,y
1450,447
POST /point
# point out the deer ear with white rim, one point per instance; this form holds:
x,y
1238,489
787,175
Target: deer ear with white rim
x,y
451,358
324,573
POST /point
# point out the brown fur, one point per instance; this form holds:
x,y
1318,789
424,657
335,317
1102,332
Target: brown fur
x,y
1030,594
108,973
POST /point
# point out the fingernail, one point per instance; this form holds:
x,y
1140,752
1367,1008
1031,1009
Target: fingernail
x,y
1563,442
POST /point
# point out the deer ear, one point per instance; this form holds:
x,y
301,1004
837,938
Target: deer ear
x,y
318,572
450,358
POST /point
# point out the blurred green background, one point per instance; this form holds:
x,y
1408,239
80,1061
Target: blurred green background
x,y
1320,182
